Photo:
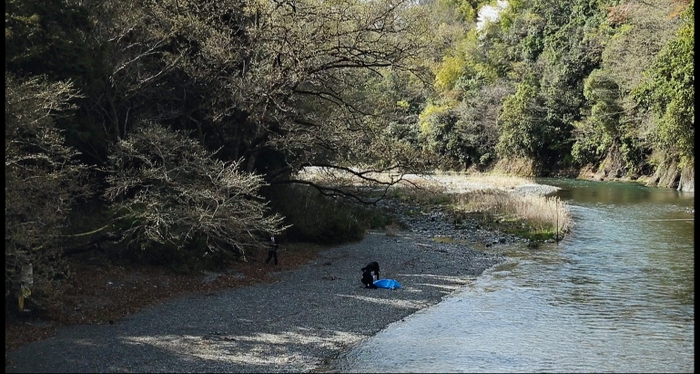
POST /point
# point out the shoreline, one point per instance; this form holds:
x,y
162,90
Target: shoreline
x,y
300,323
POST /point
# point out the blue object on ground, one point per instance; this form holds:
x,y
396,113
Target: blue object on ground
x,y
387,283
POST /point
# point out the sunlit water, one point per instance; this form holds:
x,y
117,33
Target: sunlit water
x,y
617,295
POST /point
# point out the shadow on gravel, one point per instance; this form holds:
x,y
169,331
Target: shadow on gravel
x,y
310,316
177,352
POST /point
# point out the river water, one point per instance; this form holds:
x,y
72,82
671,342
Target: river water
x,y
616,295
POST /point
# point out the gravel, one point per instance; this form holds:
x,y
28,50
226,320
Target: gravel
x,y
298,324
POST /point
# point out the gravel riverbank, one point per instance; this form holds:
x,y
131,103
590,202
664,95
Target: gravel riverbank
x,y
312,314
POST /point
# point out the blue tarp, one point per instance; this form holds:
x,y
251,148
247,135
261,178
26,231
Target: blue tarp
x,y
387,283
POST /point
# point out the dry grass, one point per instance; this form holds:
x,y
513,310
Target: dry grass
x,y
540,212
392,230
515,166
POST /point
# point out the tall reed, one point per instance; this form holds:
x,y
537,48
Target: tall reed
x,y
538,212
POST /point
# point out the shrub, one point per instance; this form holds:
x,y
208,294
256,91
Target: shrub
x,y
168,193
316,218
42,178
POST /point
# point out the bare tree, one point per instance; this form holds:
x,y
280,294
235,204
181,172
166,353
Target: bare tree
x,y
168,191
41,180
274,85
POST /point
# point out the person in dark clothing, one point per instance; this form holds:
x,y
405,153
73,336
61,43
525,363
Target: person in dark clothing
x,y
372,267
272,251
367,279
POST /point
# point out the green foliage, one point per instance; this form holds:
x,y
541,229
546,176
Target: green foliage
x,y
591,145
528,128
398,98
479,68
571,50
634,153
599,130
594,144
613,131
427,117
544,50
467,135
511,13
450,70
47,38
669,92
519,122
438,134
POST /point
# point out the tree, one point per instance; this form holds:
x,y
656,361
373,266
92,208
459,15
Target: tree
x,y
47,38
171,196
669,93
477,125
599,130
521,122
58,39
42,178
277,86
264,76
613,132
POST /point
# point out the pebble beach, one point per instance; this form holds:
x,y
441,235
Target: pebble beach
x,y
299,323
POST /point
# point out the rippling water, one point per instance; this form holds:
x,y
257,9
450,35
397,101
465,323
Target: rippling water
x,y
617,295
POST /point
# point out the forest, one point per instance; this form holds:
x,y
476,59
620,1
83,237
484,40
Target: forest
x,y
179,127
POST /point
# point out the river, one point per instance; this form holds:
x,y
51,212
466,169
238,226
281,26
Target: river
x,y
616,295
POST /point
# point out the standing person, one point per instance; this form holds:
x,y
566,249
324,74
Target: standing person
x,y
272,251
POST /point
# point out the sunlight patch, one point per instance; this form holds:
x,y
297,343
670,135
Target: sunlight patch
x,y
257,349
403,304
